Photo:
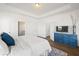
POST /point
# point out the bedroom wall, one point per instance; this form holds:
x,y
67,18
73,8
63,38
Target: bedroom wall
x,y
9,22
61,19
41,29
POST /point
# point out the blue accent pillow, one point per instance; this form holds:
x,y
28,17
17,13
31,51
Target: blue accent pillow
x,y
8,39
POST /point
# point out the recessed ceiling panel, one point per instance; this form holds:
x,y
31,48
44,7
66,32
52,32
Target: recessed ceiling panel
x,y
31,8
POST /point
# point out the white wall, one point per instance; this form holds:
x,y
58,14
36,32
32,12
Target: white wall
x,y
61,19
9,22
41,29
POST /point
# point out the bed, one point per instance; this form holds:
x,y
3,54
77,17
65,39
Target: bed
x,y
30,46
38,45
23,45
20,49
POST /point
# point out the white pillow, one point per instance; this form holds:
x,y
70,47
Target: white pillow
x,y
3,48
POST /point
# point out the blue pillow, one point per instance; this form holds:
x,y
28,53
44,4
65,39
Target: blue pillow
x,y
8,39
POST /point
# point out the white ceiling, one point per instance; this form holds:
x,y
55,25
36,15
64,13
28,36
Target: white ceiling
x,y
44,7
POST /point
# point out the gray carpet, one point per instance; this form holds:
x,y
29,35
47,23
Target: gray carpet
x,y
57,52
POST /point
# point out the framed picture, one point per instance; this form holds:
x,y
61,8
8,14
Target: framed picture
x,y
21,28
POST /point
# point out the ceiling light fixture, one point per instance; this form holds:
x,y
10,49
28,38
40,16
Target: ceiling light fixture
x,y
37,4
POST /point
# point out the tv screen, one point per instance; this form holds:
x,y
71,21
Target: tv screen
x,y
62,28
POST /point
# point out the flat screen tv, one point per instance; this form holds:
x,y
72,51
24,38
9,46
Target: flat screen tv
x,y
62,28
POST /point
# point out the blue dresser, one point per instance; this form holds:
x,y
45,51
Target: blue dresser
x,y
67,39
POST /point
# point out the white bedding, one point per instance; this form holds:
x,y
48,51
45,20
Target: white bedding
x,y
38,45
30,46
20,49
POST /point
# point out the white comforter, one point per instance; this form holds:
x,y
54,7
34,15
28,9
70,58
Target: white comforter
x,y
31,46
38,45
20,49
